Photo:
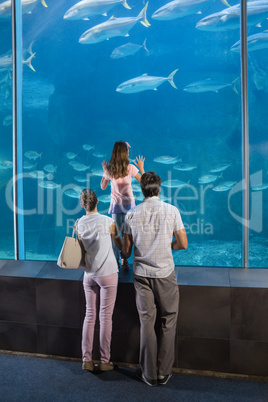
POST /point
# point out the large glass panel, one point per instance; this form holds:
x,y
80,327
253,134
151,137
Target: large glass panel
x,y
6,164
186,122
257,46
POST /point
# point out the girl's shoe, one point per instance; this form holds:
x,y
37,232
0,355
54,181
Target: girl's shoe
x,y
124,264
88,366
106,366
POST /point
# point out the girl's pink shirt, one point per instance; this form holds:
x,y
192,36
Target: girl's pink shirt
x,y
122,198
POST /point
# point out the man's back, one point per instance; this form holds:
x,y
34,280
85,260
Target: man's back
x,y
152,224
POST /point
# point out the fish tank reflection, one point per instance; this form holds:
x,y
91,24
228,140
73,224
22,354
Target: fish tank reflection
x,y
163,76
6,140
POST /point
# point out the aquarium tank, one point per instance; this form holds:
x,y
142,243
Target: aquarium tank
x,y
164,77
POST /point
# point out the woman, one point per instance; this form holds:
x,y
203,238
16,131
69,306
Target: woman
x,y
100,280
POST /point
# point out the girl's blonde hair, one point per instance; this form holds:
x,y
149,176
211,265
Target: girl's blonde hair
x,y
118,164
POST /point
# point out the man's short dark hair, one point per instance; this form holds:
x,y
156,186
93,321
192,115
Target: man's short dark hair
x,y
150,184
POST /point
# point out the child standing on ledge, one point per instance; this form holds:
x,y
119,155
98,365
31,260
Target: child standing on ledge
x,y
120,172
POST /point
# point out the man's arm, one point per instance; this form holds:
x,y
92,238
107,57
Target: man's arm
x,y
180,242
116,236
127,245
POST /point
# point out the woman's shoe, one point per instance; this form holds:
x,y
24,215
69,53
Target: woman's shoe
x,y
106,366
88,366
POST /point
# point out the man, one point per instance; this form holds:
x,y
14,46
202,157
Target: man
x,y
150,227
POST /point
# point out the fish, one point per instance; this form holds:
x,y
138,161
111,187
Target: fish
x,y
72,163
72,193
209,178
167,160
219,168
136,188
97,172
180,8
113,27
87,8
184,167
80,167
70,155
229,18
254,42
6,61
105,198
145,82
6,164
28,165
39,174
81,179
50,168
129,49
209,85
88,147
26,7
99,155
33,155
48,184
174,183
220,187
260,187
8,120
228,183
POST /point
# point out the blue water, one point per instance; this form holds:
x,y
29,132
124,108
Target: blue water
x,y
71,100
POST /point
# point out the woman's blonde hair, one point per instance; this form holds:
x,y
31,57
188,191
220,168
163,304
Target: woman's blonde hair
x,y
118,164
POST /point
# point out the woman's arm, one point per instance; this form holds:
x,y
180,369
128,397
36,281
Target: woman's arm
x,y
116,236
127,245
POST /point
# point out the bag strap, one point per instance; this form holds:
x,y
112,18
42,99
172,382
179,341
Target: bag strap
x,y
74,229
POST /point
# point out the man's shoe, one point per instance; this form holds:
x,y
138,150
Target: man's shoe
x,y
163,379
88,366
141,376
106,366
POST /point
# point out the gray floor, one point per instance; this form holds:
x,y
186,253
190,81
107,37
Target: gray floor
x,y
33,379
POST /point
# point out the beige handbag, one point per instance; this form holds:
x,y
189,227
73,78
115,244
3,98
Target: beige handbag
x,y
72,254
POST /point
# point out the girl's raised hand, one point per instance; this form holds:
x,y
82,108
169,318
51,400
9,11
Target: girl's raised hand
x,y
140,163
104,164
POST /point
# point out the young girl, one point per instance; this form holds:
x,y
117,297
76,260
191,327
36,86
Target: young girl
x,y
100,280
120,172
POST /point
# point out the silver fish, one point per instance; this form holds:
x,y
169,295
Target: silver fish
x,y
209,85
28,165
229,18
33,155
219,168
167,160
7,164
86,8
80,167
48,184
260,187
81,179
113,27
129,49
39,174
209,178
26,7
174,183
254,42
145,82
220,187
99,155
97,172
50,168
88,147
8,120
72,193
181,8
184,167
70,155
